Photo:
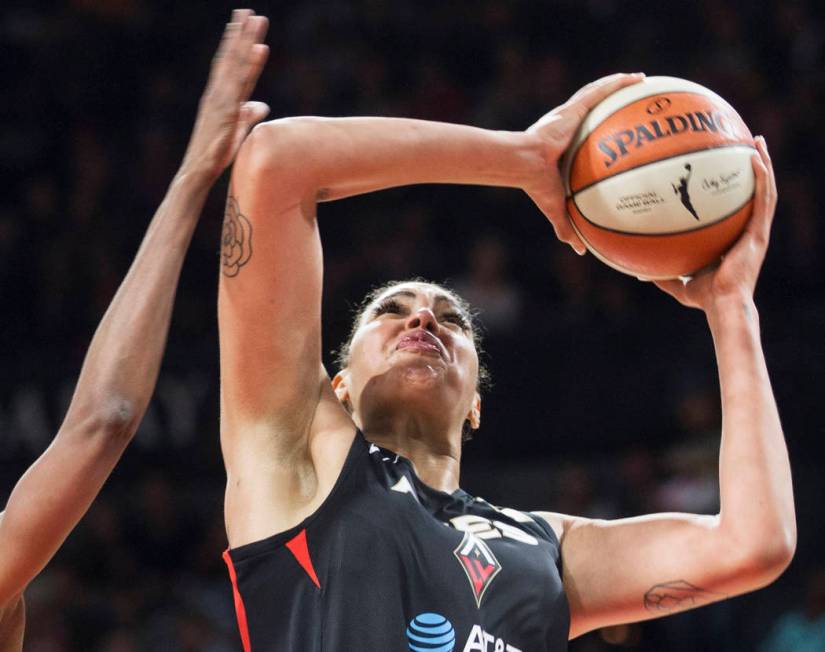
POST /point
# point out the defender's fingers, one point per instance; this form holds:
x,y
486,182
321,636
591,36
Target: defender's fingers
x,y
254,113
251,114
235,29
254,53
254,30
247,56
230,33
239,43
258,58
226,49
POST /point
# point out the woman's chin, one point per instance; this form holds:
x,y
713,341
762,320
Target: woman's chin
x,y
416,383
423,374
422,389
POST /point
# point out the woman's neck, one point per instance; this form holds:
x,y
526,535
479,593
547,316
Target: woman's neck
x,y
434,452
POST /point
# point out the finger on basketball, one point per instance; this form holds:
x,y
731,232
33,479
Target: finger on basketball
x,y
595,92
566,234
552,203
674,288
762,146
564,230
763,205
589,87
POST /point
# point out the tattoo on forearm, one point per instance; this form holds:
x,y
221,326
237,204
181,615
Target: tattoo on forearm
x,y
677,595
236,240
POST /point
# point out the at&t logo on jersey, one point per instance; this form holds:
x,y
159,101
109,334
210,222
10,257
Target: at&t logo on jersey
x,y
429,632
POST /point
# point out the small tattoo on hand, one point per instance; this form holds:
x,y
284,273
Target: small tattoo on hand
x,y
236,240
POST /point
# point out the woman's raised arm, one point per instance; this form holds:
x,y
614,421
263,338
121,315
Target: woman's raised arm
x,y
650,566
269,302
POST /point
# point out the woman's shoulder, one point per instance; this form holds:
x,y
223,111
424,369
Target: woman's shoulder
x,y
559,523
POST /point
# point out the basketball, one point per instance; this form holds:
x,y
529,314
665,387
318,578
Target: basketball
x,y
658,178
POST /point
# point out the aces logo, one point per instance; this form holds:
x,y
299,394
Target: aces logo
x,y
479,564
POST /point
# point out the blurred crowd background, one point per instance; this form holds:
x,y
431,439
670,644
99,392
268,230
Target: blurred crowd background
x,y
604,399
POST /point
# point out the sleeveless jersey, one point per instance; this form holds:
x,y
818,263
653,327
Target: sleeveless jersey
x,y
388,564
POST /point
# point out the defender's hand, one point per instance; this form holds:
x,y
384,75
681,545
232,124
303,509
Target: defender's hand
x,y
555,130
735,277
224,115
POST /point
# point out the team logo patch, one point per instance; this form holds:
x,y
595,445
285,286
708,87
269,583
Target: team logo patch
x,y
478,562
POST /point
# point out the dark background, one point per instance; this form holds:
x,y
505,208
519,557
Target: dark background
x,y
605,398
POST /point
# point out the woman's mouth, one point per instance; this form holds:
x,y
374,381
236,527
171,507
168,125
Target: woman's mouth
x,y
420,342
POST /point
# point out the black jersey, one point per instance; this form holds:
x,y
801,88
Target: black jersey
x,y
388,564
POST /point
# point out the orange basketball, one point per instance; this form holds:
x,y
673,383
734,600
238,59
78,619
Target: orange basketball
x,y
659,179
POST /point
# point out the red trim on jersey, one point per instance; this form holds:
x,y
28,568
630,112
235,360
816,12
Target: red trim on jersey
x,y
240,610
298,547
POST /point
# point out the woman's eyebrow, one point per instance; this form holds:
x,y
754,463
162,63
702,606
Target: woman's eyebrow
x,y
409,294
444,298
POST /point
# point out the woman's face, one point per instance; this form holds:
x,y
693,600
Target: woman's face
x,y
413,349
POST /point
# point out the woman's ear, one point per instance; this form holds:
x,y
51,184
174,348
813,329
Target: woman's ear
x,y
339,386
474,417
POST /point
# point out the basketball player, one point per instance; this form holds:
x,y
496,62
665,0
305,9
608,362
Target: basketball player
x,y
346,523
682,191
121,366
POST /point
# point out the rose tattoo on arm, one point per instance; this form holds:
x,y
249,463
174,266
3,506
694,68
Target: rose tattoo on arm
x,y
236,239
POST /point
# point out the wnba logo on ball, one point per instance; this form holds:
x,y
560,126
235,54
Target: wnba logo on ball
x,y
429,632
658,105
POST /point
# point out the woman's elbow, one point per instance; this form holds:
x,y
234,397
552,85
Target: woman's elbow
x,y
270,144
778,556
113,420
120,418
256,148
763,562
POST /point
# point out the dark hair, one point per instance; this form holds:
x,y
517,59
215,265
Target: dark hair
x,y
342,353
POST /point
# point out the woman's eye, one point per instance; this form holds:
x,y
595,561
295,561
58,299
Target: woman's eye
x,y
388,306
455,318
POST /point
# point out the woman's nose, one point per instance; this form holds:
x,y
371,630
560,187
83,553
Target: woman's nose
x,y
423,318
